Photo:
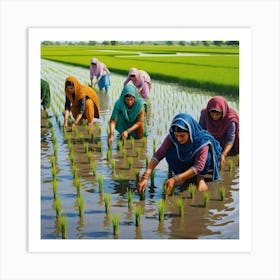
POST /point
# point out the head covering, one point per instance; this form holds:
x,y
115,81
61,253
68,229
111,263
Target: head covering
x,y
125,116
198,138
95,68
136,73
82,91
219,127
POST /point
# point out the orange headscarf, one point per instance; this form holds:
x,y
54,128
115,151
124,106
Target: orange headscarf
x,y
82,91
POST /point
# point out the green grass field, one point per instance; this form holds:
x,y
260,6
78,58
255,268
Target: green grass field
x,y
211,68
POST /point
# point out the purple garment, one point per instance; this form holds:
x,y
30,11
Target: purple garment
x,y
228,137
199,159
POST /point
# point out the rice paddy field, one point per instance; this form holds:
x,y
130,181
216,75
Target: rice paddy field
x,y
89,192
208,68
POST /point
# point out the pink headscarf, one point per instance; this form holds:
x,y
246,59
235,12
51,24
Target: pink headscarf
x,y
94,68
218,128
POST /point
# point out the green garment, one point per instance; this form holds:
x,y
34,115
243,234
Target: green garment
x,y
45,94
126,117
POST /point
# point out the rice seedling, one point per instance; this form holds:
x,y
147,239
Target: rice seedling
x,y
54,188
54,171
78,186
123,151
222,190
82,138
80,203
144,141
138,151
63,225
192,190
100,147
72,157
153,177
93,168
100,183
109,154
86,147
57,207
230,165
55,149
121,180
115,221
138,212
164,189
206,197
53,160
89,156
180,206
132,143
120,145
137,175
161,208
130,195
147,161
113,165
130,162
107,199
74,171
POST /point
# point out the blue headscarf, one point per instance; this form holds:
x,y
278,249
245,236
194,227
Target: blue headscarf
x,y
198,139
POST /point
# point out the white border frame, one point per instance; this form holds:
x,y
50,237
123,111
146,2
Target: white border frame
x,y
243,35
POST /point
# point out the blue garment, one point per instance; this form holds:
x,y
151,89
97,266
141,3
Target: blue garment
x,y
104,82
180,157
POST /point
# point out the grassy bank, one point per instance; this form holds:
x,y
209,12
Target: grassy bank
x,y
211,68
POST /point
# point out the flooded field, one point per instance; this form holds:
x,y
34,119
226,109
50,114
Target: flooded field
x,y
78,171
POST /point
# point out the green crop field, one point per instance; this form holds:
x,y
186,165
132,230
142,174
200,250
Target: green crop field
x,y
209,68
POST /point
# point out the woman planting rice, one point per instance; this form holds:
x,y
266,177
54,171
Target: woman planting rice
x,y
223,123
189,150
81,100
102,74
141,80
129,115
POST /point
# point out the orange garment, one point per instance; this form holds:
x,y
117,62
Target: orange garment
x,y
92,109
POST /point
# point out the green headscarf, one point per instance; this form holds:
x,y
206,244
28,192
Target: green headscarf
x,y
127,117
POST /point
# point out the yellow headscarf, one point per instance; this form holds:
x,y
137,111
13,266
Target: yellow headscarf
x,y
82,91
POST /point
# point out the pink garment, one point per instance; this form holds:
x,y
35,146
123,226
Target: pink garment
x,y
142,80
98,69
219,127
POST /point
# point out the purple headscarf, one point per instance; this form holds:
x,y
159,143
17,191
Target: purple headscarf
x,y
219,127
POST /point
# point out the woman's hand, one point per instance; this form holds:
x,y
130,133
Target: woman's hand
x,y
223,160
170,183
110,140
65,125
141,186
125,135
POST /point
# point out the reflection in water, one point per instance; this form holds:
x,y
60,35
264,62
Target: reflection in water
x,y
90,159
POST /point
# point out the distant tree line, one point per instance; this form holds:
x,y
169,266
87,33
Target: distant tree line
x,y
168,43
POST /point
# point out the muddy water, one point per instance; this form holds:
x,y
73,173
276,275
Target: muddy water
x,y
218,220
